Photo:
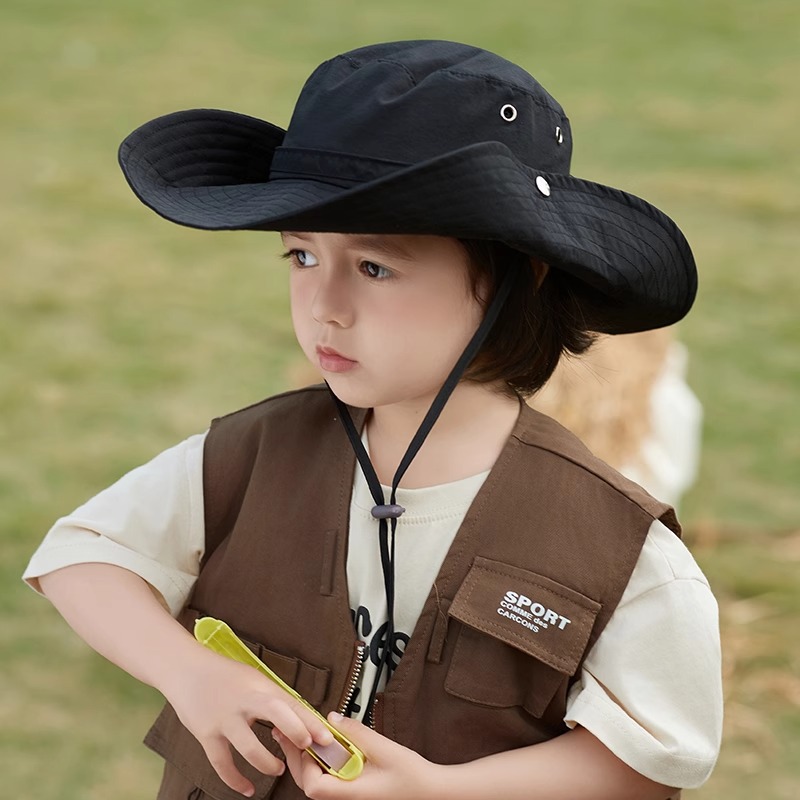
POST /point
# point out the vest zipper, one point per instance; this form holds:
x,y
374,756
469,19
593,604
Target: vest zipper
x,y
356,666
373,717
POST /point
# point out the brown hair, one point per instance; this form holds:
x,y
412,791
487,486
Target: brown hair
x,y
536,325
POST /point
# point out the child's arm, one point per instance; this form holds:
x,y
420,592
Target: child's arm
x,y
576,764
217,699
573,765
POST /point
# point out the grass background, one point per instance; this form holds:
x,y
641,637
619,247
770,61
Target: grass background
x,y
121,334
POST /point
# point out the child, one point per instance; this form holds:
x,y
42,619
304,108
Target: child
x,y
507,614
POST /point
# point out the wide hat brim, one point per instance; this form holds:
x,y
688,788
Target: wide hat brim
x,y
210,169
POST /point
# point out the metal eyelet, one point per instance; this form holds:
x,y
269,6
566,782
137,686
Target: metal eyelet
x,y
508,113
543,186
559,135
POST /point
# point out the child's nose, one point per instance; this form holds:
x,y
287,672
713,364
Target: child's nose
x,y
332,302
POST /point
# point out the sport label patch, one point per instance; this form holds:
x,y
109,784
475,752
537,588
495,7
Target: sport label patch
x,y
527,611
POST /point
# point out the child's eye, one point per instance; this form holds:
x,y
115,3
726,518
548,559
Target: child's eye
x,y
300,258
373,270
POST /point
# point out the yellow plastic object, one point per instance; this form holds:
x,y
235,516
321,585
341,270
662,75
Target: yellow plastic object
x,y
341,758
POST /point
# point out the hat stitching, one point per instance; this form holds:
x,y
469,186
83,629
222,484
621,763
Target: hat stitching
x,y
488,78
630,244
661,252
397,64
351,61
599,241
659,226
169,148
505,84
358,65
581,199
608,264
339,155
244,124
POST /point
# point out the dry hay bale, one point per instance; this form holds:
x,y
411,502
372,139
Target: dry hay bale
x,y
604,396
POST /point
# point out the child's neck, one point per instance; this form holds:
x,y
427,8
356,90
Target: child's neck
x,y
466,439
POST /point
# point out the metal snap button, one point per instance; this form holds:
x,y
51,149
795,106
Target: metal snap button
x,y
508,112
543,186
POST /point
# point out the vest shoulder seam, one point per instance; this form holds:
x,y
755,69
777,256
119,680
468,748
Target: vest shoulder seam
x,y
314,388
585,467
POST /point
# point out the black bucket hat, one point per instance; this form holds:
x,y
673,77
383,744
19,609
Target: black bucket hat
x,y
422,137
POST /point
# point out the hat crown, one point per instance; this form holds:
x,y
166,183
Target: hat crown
x,y
407,102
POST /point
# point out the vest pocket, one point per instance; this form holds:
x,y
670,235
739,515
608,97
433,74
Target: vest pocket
x,y
310,681
521,637
185,757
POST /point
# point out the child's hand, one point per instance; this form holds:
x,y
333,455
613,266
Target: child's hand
x,y
218,700
391,771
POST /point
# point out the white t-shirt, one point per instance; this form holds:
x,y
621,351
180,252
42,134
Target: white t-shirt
x,y
650,689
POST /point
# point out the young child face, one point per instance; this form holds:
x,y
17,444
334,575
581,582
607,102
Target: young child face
x,y
384,318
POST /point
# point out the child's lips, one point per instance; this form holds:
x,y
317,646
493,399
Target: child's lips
x,y
332,361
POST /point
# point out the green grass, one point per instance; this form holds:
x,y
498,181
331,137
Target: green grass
x,y
755,576
121,334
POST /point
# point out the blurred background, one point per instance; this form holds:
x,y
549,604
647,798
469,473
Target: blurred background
x,y
121,334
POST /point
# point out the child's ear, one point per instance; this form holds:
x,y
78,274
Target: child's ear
x,y
540,270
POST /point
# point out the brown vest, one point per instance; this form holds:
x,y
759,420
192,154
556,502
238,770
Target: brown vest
x,y
530,581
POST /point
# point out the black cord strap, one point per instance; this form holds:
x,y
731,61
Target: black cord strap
x,y
387,514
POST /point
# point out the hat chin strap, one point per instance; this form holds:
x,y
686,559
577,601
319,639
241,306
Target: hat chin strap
x,y
387,514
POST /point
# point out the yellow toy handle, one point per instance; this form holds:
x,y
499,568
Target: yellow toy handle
x,y
341,758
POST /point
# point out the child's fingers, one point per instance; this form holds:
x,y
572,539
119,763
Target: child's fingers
x,y
307,773
369,741
246,743
317,782
316,727
294,757
219,756
296,722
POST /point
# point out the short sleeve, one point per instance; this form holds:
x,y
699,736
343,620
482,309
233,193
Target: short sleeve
x,y
651,688
150,522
